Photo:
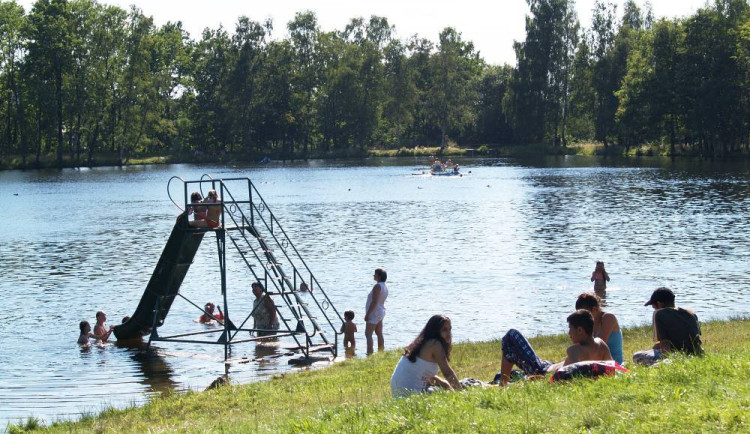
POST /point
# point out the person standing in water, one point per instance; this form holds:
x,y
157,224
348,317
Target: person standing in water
x,y
86,333
600,278
375,310
101,331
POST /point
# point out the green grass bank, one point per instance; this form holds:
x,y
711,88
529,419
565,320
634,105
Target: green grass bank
x,y
701,394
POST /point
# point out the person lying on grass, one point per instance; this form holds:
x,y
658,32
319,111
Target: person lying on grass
x,y
517,350
417,369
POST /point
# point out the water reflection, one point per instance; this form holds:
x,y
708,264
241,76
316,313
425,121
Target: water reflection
x,y
266,354
157,373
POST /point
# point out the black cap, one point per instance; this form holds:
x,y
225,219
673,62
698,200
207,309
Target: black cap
x,y
664,295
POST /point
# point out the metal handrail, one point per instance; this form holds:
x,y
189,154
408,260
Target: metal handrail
x,y
280,277
307,268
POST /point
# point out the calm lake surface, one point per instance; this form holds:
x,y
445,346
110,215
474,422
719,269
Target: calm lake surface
x,y
509,245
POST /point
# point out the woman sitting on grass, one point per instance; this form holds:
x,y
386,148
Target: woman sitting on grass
x,y
606,326
419,365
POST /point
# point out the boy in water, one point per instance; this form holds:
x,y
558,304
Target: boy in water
x,y
349,328
101,331
517,350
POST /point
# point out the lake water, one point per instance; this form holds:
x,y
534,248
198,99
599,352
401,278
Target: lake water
x,y
509,245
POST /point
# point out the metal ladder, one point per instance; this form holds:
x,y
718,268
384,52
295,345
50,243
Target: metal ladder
x,y
262,243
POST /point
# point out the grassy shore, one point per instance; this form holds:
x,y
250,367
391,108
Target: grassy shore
x,y
707,394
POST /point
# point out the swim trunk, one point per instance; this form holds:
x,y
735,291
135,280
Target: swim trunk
x,y
212,224
519,352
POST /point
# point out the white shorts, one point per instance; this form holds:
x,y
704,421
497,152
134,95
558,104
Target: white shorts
x,y
376,316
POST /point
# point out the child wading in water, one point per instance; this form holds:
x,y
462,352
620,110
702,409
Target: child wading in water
x,y
600,277
101,331
86,334
348,329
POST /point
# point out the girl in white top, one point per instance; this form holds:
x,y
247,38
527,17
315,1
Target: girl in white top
x,y
375,310
418,367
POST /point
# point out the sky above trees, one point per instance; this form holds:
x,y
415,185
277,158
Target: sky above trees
x,y
491,25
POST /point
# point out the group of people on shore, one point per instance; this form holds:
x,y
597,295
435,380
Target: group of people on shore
x,y
594,333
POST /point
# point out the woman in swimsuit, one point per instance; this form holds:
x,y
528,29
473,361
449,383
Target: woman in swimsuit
x,y
606,326
600,277
375,310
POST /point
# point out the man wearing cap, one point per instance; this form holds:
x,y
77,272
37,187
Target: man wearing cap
x,y
675,329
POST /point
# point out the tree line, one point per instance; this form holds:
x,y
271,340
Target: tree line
x,y
79,79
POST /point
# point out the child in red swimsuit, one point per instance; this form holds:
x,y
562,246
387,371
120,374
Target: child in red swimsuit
x,y
212,216
209,316
214,212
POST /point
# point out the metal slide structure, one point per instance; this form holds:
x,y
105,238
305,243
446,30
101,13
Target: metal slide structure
x,y
248,227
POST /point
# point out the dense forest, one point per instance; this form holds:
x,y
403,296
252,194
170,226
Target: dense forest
x,y
80,79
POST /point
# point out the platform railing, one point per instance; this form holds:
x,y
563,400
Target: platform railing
x,y
260,216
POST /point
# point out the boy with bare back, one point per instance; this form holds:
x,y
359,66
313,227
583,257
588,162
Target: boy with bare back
x,y
349,328
517,350
585,345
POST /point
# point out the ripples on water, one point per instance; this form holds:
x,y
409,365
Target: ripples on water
x,y
512,244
